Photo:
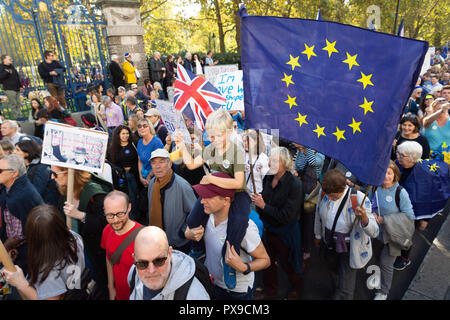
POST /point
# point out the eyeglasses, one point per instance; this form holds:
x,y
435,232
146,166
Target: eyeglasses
x,y
55,174
142,126
1,170
400,155
143,264
113,215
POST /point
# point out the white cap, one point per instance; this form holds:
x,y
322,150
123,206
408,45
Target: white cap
x,y
152,112
160,153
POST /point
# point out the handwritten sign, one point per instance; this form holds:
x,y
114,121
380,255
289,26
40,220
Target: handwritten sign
x,y
73,147
211,72
231,86
173,120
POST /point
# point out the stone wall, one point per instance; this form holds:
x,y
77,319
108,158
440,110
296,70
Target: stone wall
x,y
125,32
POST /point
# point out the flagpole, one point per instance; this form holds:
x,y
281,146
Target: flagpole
x,y
396,16
362,204
251,163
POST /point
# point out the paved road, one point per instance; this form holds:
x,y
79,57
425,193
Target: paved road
x,y
317,285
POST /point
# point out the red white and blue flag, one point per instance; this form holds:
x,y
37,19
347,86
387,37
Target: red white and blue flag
x,y
195,97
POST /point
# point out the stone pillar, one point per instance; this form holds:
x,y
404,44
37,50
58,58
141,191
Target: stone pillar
x,y
125,32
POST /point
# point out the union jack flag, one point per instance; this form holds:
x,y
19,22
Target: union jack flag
x,y
195,97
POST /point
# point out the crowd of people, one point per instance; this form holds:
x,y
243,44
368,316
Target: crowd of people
x,y
171,215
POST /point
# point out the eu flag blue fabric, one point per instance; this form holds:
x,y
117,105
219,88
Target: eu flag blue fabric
x,y
336,88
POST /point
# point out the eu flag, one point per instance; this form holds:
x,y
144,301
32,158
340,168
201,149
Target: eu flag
x,y
336,88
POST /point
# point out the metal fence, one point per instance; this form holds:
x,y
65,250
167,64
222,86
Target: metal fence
x,y
73,30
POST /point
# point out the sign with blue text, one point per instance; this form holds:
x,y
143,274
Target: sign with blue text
x,y
231,86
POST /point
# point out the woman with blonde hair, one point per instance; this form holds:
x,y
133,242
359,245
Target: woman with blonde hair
x,y
149,143
280,205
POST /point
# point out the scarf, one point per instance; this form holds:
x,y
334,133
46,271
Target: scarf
x,y
156,205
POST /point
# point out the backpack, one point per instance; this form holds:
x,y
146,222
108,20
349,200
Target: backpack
x,y
201,273
119,177
52,194
89,289
34,138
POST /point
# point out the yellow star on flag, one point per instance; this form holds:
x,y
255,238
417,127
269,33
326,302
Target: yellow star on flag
x,y
433,167
365,80
339,134
309,51
291,101
319,131
330,48
351,61
444,145
367,106
301,119
355,125
287,79
293,62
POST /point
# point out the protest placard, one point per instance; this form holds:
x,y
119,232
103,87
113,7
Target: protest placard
x,y
427,61
231,86
173,120
211,72
73,147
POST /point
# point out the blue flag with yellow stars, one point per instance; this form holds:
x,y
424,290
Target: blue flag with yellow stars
x,y
336,88
428,186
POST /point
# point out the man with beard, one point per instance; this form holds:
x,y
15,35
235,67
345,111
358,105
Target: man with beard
x,y
118,241
161,272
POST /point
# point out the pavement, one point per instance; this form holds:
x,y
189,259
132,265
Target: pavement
x,y
432,280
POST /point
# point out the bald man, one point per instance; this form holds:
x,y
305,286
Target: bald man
x,y
159,270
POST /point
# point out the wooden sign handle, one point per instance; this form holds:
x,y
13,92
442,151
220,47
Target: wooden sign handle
x,y
70,184
6,259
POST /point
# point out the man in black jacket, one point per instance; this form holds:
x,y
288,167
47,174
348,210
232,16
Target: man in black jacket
x,y
51,71
117,75
9,77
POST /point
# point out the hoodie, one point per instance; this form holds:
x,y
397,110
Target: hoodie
x,y
183,268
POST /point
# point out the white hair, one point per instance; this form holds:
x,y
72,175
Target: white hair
x,y
411,149
188,54
16,163
285,157
13,124
114,57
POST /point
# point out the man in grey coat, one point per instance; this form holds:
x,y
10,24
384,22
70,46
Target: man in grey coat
x,y
159,270
171,198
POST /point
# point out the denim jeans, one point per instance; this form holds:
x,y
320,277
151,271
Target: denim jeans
x,y
223,294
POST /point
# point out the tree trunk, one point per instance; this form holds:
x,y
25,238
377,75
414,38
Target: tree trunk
x,y
237,20
220,26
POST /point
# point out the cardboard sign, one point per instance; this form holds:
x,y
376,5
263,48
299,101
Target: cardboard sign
x,y
231,86
211,72
173,120
73,147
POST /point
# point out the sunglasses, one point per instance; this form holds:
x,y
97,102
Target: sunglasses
x,y
143,264
142,126
113,215
55,174
1,170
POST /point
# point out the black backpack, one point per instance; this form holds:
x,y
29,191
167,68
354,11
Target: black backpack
x,y
201,273
52,194
89,289
119,177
